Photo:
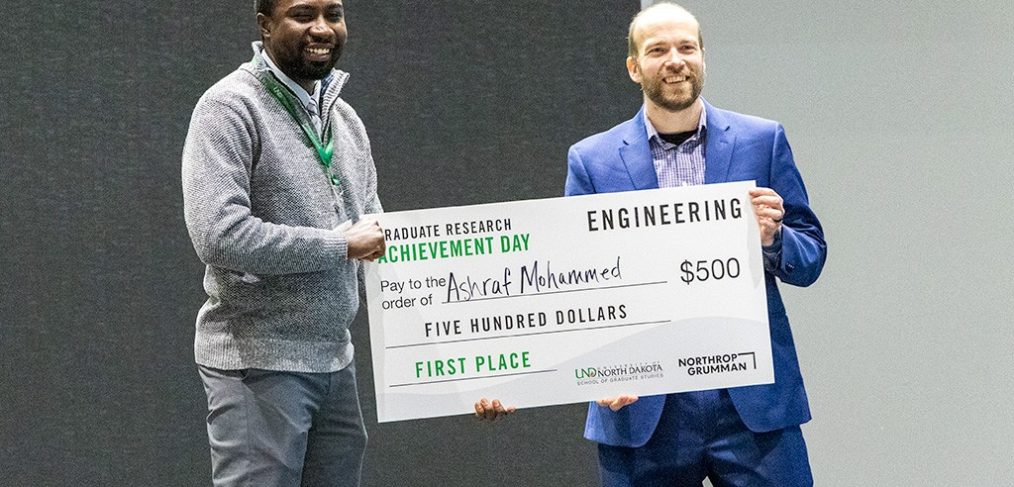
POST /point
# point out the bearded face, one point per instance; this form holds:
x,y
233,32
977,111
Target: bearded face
x,y
673,87
305,37
669,60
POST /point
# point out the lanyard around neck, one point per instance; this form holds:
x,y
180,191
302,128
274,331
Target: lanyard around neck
x,y
324,151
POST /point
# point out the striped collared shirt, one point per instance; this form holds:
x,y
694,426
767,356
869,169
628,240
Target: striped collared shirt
x,y
681,165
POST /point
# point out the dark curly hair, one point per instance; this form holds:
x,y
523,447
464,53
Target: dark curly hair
x,y
265,6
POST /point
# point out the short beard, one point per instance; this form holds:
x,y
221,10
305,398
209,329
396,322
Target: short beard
x,y
318,70
654,91
298,69
312,71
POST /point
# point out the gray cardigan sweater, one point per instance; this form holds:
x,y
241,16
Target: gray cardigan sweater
x,y
262,215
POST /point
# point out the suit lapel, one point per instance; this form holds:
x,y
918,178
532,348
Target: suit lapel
x,y
636,154
718,151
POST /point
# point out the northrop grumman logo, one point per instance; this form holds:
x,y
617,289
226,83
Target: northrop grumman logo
x,y
618,373
718,364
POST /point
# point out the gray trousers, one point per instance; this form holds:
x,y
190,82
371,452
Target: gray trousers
x,y
270,428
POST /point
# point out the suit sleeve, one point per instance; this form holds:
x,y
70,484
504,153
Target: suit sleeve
x,y
803,249
578,181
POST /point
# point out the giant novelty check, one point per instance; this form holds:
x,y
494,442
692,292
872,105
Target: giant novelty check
x,y
565,300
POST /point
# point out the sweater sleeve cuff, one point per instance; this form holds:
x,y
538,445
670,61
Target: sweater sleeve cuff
x,y
338,245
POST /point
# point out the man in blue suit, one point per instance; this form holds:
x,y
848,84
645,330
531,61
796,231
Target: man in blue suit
x,y
739,436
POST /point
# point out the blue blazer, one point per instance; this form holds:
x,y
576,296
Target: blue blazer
x,y
738,148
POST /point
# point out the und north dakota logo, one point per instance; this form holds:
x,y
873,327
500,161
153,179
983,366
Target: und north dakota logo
x,y
618,373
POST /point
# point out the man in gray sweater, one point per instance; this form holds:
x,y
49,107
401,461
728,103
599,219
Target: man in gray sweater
x,y
276,173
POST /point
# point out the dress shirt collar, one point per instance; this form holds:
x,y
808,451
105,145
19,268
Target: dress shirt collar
x,y
702,128
294,87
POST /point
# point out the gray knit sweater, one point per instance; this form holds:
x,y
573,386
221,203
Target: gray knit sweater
x,y
262,215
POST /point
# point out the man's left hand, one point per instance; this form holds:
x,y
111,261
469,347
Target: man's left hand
x,y
491,411
769,210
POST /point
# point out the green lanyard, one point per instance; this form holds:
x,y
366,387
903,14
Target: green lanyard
x,y
323,151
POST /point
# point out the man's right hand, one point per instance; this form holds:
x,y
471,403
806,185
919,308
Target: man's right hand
x,y
365,240
617,403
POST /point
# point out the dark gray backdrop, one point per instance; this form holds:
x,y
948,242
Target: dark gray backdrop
x,y
465,102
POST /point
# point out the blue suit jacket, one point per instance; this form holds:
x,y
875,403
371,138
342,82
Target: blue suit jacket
x,y
738,148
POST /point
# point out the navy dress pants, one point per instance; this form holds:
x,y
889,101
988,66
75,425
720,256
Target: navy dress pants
x,y
701,435
272,428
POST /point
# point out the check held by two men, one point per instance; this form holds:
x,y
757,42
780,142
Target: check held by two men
x,y
564,300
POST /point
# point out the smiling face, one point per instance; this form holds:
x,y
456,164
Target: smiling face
x,y
304,37
669,58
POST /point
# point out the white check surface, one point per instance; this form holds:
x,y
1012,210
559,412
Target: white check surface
x,y
565,300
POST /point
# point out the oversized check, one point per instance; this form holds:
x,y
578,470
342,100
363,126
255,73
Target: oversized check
x,y
564,300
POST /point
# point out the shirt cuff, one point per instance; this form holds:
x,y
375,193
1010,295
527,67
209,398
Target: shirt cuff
x,y
773,253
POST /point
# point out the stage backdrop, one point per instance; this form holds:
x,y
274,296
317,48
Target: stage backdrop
x,y
900,118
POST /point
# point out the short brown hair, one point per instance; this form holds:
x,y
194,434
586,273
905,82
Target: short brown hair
x,y
632,45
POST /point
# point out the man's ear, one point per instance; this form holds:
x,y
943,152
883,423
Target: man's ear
x,y
264,25
633,70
